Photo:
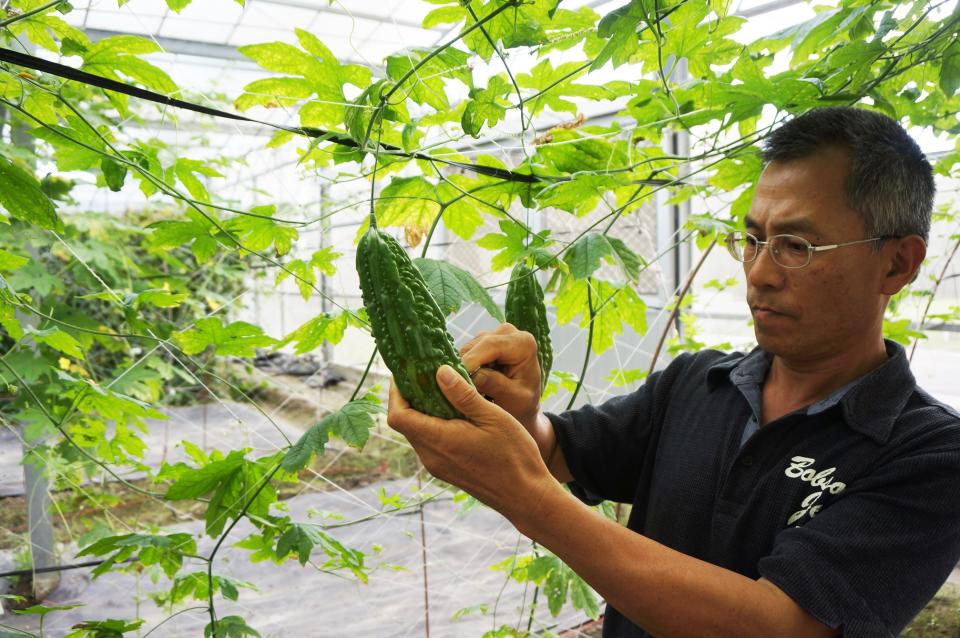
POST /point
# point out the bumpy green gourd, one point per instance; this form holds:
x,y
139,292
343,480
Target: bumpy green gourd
x,y
525,309
406,322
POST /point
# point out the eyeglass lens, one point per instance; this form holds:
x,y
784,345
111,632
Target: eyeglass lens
x,y
789,251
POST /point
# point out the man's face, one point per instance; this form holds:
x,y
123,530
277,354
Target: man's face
x,y
835,303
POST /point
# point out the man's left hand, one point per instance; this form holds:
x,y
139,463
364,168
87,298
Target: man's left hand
x,y
488,454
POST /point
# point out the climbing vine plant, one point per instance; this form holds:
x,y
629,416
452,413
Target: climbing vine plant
x,y
90,336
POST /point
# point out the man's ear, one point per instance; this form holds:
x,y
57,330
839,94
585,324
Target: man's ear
x,y
906,255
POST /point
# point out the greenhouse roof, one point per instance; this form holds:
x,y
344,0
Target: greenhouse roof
x,y
200,41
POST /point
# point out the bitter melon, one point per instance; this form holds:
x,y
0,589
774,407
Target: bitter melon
x,y
525,309
406,323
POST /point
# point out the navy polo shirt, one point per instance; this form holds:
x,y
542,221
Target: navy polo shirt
x,y
851,506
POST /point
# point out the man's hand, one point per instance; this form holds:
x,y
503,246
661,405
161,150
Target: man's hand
x,y
504,366
490,455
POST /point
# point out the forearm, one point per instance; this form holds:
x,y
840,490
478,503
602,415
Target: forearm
x,y
664,591
543,433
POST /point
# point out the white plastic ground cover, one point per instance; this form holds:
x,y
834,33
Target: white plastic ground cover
x,y
300,601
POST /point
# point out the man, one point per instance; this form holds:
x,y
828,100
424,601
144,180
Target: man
x,y
807,488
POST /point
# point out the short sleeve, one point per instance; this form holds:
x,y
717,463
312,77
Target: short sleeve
x,y
871,560
606,446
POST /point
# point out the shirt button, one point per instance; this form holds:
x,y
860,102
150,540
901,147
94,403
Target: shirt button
x,y
747,460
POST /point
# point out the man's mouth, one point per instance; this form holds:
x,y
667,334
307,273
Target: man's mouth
x,y
762,311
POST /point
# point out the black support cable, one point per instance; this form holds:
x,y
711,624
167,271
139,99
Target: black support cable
x,y
70,73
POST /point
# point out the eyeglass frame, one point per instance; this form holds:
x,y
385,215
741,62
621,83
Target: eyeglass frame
x,y
811,247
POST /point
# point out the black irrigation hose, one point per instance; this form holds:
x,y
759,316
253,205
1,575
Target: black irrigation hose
x,y
63,568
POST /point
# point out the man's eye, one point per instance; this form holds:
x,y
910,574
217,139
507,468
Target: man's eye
x,y
795,246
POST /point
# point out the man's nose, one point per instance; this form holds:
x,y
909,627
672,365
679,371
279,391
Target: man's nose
x,y
764,272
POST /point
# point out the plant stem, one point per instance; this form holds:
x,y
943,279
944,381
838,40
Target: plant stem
x,y
423,554
223,537
59,426
586,356
933,294
416,67
676,306
29,14
363,377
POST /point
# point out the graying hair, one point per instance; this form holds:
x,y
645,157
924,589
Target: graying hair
x,y
890,183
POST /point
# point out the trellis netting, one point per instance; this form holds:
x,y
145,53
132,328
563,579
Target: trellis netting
x,y
187,378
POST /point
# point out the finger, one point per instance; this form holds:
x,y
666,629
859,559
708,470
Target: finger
x,y
465,397
470,344
412,424
506,349
493,383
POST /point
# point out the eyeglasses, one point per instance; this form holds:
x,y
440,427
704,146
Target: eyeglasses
x,y
788,251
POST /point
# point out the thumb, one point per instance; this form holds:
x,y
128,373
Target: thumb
x,y
464,396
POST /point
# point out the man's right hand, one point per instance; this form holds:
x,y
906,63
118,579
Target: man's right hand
x,y
504,367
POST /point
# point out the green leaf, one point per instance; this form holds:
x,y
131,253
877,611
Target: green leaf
x,y
58,340
274,93
302,274
486,106
116,58
551,83
313,70
229,627
109,628
240,339
352,423
513,245
555,588
622,29
578,195
614,307
300,539
165,550
574,151
426,86
899,330
34,276
312,334
9,261
259,233
950,69
10,323
237,485
323,260
159,298
21,197
186,170
313,441
199,233
196,483
451,286
582,596
197,586
585,254
524,25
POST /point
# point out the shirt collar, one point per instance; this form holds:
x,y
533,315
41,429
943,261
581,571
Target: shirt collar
x,y
870,405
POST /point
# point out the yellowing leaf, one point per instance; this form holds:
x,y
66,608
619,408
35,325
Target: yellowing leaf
x,y
407,201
